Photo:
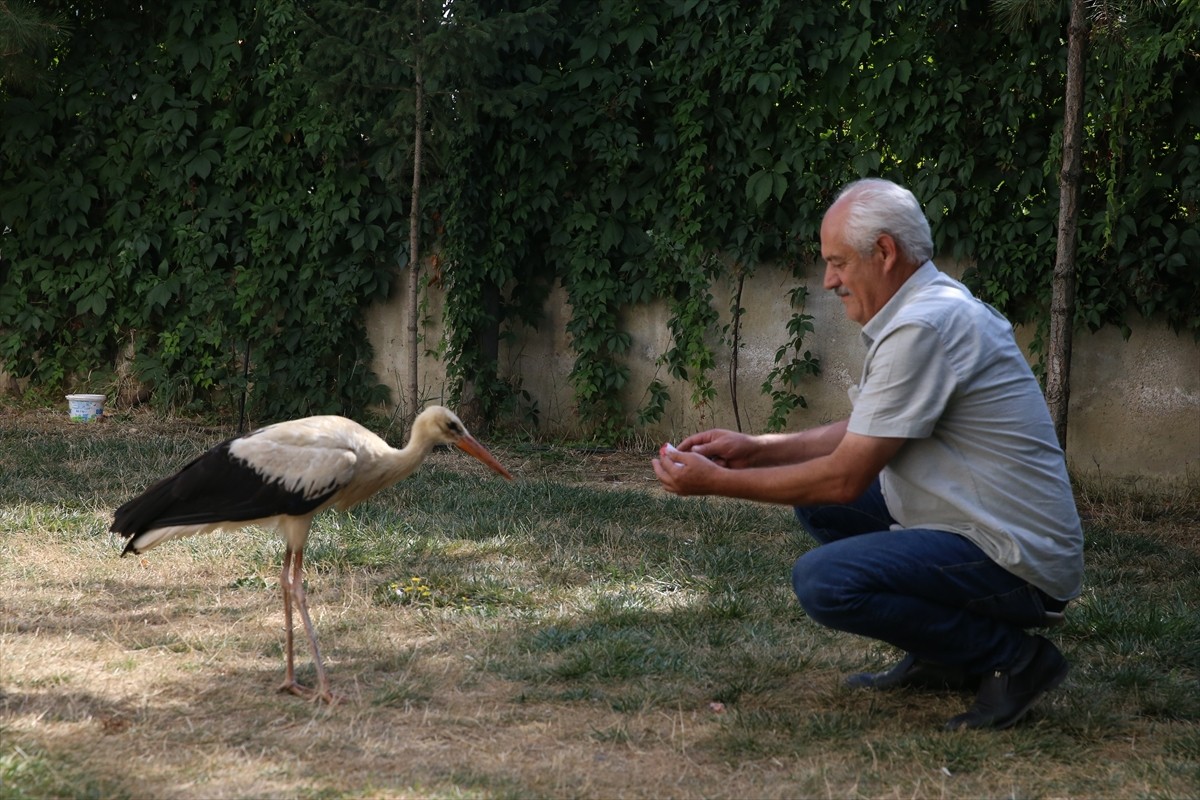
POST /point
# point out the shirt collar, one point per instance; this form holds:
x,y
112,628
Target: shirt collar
x,y
925,275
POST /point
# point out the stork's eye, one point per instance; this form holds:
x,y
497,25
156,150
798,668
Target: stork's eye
x,y
456,428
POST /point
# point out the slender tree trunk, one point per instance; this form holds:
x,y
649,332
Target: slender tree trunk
x,y
414,243
472,407
1062,296
736,348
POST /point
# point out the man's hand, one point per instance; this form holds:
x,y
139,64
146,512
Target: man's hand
x,y
686,473
724,448
729,464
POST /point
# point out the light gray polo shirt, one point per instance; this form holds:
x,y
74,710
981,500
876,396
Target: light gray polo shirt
x,y
943,370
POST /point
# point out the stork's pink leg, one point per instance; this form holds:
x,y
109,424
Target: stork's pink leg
x,y
285,584
323,691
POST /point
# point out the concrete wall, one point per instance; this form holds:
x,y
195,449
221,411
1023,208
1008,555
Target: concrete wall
x,y
1135,405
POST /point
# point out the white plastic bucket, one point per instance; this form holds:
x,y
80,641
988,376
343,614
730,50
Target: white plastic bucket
x,y
86,407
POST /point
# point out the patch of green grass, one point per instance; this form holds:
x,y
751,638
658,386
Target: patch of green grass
x,y
31,773
446,590
403,694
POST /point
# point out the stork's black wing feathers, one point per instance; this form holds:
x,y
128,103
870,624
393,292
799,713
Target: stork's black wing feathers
x,y
215,487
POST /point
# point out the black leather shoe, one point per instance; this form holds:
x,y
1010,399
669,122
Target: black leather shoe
x,y
1005,697
912,673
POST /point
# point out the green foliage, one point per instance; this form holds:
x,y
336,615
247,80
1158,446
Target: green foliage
x,y
1146,158
181,196
681,131
233,175
791,366
630,191
27,38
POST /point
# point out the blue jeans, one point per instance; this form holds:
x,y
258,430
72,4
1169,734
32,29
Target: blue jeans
x,y
929,592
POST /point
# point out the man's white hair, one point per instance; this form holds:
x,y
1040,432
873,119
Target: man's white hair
x,y
874,206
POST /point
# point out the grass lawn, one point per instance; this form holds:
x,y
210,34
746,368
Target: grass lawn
x,y
575,633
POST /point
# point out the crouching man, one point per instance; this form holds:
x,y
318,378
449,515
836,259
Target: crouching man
x,y
942,507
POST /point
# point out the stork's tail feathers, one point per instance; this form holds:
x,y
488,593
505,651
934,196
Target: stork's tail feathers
x,y
141,542
141,519
135,518
163,512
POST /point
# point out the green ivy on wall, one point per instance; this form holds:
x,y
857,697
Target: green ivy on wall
x,y
180,199
231,177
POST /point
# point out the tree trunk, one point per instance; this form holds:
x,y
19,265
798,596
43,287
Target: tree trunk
x,y
414,243
1062,294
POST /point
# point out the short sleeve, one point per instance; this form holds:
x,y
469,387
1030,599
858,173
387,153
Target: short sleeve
x,y
907,382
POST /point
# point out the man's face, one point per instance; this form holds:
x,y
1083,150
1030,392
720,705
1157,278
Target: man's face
x,y
859,281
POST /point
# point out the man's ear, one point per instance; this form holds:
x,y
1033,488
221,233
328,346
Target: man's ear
x,y
885,245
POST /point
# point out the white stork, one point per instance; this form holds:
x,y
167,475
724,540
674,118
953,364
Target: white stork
x,y
283,475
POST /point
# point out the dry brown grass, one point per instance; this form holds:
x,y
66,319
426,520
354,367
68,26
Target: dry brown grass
x,y
155,678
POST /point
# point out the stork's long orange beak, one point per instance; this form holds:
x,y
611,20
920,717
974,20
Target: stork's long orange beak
x,y
469,445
